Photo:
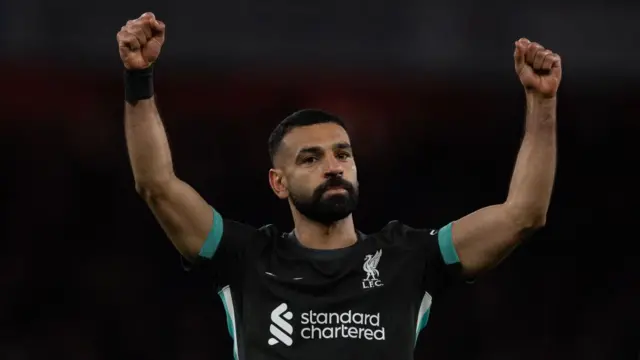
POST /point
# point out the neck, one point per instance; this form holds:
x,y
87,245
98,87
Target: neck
x,y
314,235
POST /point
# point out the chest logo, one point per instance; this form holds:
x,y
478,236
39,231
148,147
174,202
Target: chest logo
x,y
370,267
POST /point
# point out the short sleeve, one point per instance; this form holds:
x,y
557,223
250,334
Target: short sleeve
x,y
435,250
223,253
443,264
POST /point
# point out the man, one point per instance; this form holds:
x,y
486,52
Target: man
x,y
325,290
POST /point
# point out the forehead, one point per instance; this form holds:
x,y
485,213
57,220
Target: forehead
x,y
323,135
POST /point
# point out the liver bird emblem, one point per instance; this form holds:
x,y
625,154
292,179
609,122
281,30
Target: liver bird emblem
x,y
371,265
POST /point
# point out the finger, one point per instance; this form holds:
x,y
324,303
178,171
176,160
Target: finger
x,y
158,32
157,26
548,61
531,52
141,29
556,66
124,37
128,40
538,60
518,54
139,34
147,16
123,30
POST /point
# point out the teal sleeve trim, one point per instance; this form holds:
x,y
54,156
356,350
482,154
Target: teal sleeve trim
x,y
447,249
213,238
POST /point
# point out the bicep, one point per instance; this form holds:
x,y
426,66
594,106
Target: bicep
x,y
184,215
484,237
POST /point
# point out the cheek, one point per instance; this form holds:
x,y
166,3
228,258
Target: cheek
x,y
352,174
302,183
352,168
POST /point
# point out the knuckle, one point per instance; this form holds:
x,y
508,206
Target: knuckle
x,y
135,31
140,28
142,23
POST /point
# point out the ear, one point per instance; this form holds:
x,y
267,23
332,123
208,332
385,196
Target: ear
x,y
278,183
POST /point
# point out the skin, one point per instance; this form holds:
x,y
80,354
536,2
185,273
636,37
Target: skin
x,y
481,238
307,157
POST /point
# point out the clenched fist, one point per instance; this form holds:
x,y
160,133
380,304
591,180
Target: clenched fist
x,y
140,41
539,69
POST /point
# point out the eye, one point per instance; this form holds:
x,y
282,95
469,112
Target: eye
x,y
343,156
309,160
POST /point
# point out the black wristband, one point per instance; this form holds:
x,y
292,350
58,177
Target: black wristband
x,y
138,85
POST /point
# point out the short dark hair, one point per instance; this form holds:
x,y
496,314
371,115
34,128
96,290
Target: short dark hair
x,y
299,118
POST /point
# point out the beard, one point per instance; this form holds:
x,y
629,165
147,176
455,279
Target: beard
x,y
327,209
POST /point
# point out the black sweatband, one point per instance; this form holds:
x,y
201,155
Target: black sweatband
x,y
138,85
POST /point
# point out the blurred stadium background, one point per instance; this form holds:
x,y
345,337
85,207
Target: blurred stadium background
x,y
436,114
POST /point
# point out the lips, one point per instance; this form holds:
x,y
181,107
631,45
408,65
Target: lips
x,y
334,190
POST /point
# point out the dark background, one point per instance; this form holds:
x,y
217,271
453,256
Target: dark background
x,y
436,115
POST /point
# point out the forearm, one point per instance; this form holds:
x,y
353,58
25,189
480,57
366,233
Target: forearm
x,y
183,214
147,144
485,236
533,176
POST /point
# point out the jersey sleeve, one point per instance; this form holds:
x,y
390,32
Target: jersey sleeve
x,y
222,256
438,258
443,264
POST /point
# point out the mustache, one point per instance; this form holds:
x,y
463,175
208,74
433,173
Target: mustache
x,y
335,182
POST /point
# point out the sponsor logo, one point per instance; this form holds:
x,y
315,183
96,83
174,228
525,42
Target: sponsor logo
x,y
325,326
280,328
346,325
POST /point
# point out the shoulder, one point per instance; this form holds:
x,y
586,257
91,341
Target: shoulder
x,y
397,231
245,232
402,236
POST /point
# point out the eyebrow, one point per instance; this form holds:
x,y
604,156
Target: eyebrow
x,y
310,150
342,146
318,149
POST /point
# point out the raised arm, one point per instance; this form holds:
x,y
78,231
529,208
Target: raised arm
x,y
485,237
183,214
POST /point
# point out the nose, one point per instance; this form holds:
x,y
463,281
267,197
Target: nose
x,y
333,167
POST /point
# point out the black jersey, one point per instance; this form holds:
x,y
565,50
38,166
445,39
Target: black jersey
x,y
366,301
